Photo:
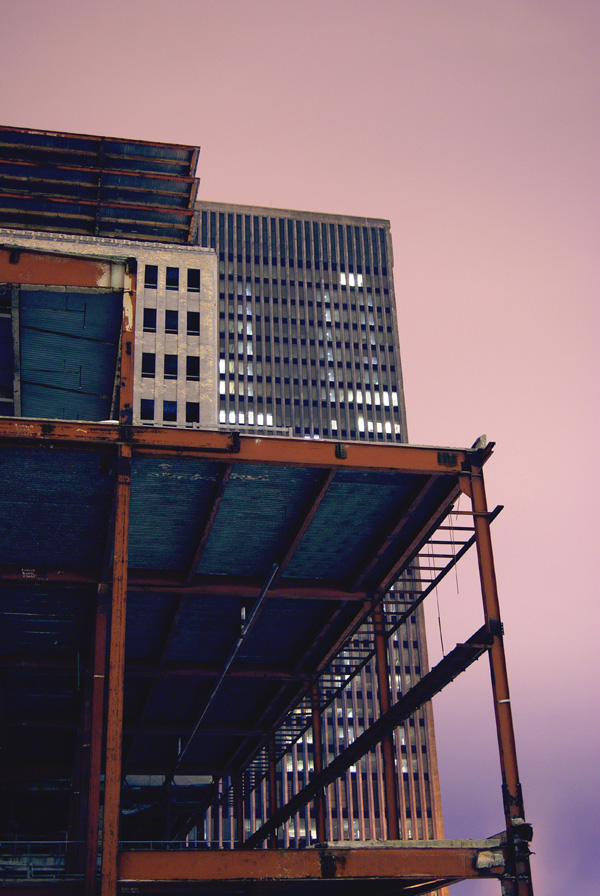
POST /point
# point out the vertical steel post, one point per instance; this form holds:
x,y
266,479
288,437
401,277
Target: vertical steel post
x,y
95,745
116,676
518,880
127,341
273,842
238,789
387,744
319,801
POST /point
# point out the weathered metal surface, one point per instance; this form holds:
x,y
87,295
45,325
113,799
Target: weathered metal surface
x,y
518,881
116,678
402,862
104,186
21,266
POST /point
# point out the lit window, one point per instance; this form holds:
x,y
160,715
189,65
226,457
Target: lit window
x,y
361,424
395,399
251,417
221,365
334,425
269,419
388,426
386,399
232,366
241,417
351,280
259,419
379,427
232,416
222,417
359,279
342,279
221,387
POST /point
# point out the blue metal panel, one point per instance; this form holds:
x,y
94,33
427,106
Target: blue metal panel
x,y
169,502
264,503
61,504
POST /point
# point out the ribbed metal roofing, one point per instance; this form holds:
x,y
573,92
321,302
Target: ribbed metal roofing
x,y
207,529
76,183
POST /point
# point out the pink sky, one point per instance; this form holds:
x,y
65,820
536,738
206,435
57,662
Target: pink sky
x,y
473,126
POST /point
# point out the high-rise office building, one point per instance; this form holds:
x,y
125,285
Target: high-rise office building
x,y
308,345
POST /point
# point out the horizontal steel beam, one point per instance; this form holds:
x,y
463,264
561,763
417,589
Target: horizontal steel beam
x,y
402,862
231,446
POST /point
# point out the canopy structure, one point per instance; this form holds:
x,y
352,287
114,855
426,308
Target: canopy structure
x,y
104,186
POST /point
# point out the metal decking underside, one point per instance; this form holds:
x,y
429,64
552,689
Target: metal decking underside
x,y
56,508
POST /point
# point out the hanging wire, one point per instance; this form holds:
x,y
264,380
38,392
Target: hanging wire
x,y
454,545
437,598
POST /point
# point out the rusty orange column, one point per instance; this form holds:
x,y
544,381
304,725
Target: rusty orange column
x,y
387,744
519,876
116,675
273,842
315,705
95,745
127,344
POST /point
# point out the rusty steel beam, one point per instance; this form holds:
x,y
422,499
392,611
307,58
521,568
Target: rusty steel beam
x,y
95,745
149,582
234,447
22,266
127,343
518,878
116,665
144,669
407,862
455,662
15,323
315,707
382,665
222,480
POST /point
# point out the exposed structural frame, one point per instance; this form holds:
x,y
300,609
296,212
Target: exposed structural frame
x,y
414,867
128,442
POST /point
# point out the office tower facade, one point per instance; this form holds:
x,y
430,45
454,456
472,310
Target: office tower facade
x,y
308,346
307,323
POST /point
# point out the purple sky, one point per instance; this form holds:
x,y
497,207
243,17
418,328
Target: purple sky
x,y
473,126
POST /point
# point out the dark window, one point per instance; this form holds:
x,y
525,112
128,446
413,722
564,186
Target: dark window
x,y
148,364
147,409
149,320
192,412
170,367
192,371
193,279
170,411
151,276
193,323
171,321
172,278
